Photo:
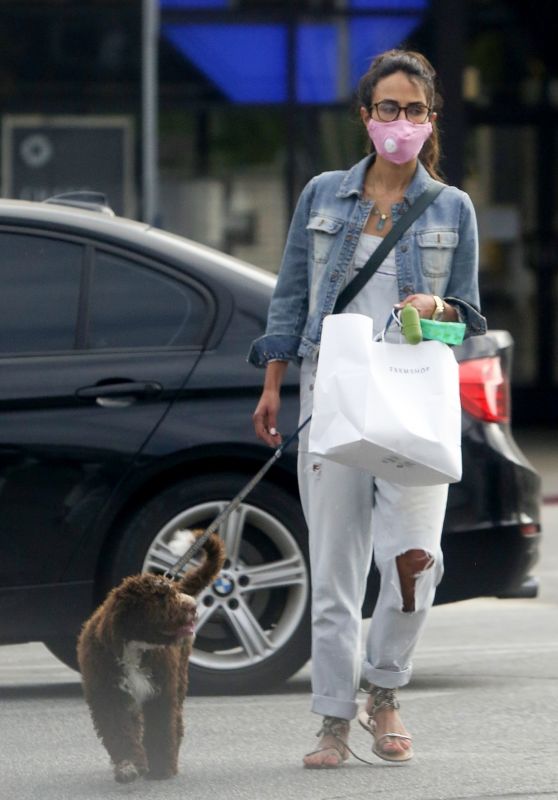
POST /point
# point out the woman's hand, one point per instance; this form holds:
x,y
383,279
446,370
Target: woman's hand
x,y
267,411
265,418
426,306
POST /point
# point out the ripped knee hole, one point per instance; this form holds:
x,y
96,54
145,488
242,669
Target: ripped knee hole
x,y
409,566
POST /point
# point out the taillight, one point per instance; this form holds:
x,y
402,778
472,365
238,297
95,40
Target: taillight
x,y
530,529
485,390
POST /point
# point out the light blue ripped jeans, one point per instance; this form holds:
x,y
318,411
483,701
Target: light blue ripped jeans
x,y
351,514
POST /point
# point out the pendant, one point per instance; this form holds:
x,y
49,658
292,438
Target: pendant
x,y
381,222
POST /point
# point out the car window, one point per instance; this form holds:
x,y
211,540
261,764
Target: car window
x,y
132,305
39,280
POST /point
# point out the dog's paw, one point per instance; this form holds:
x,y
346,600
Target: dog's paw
x,y
160,774
126,772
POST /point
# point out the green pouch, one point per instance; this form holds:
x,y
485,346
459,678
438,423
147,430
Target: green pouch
x,y
447,332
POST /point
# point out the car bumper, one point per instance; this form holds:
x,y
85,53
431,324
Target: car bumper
x,y
490,563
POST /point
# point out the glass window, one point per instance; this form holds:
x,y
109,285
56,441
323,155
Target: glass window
x,y
134,306
40,280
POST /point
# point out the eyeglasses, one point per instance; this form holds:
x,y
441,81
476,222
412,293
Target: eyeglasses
x,y
389,110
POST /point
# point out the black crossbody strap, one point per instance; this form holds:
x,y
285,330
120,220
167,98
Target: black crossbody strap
x,y
379,254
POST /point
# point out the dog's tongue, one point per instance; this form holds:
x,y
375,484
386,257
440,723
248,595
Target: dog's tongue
x,y
186,630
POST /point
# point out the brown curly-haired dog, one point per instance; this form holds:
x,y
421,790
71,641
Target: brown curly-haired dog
x,y
133,654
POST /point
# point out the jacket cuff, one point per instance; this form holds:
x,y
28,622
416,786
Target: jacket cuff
x,y
273,347
473,319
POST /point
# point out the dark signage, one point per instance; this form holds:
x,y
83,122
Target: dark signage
x,y
47,155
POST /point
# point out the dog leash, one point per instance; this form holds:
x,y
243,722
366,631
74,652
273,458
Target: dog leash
x,y
171,572
350,290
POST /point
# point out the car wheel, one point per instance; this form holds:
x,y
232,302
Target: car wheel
x,y
254,628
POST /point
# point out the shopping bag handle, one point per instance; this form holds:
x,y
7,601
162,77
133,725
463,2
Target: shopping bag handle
x,y
409,324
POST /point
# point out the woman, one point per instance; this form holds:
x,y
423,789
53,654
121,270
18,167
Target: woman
x,y
339,220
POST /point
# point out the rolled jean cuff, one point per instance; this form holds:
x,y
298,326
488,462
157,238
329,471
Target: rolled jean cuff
x,y
332,707
386,678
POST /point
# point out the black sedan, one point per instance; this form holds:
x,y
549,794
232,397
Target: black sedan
x,y
125,417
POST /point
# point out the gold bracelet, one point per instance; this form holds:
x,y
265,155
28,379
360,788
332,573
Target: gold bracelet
x,y
438,312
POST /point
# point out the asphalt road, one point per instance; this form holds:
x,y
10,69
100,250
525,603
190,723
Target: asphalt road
x,y
483,708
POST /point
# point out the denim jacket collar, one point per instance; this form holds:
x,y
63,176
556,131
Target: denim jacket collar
x,y
354,180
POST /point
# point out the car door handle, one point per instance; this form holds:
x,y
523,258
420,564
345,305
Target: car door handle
x,y
121,393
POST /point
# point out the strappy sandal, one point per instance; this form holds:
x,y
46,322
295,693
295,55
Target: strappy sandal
x,y
384,698
336,728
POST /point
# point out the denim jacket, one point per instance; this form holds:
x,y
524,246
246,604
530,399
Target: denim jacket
x,y
437,254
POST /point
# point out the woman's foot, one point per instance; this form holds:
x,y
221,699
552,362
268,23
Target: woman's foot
x,y
331,752
392,741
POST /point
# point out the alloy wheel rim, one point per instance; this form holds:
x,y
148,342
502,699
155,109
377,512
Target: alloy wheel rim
x,y
256,604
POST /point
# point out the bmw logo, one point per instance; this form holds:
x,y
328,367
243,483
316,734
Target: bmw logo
x,y
223,586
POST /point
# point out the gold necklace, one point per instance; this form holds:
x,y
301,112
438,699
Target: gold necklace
x,y
383,218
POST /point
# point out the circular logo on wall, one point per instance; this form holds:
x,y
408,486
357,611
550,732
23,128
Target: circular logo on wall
x,y
36,150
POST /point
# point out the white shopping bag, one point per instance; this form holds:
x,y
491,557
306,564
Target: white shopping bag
x,y
390,409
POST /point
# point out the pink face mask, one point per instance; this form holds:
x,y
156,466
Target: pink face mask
x,y
399,141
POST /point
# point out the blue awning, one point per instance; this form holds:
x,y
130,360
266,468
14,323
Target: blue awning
x,y
247,61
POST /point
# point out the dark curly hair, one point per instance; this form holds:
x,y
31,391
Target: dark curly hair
x,y
419,70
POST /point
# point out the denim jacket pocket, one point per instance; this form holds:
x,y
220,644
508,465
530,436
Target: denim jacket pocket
x,y
323,229
436,251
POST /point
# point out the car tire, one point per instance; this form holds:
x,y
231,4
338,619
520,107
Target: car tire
x,y
64,648
258,635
